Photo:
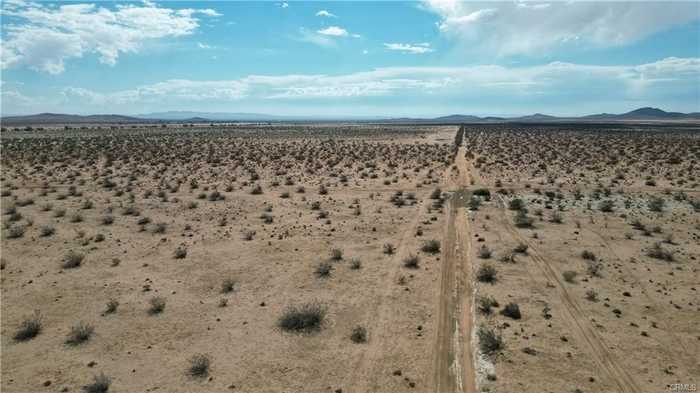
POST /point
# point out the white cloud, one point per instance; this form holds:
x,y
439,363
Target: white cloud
x,y
204,46
284,5
549,79
48,36
334,31
314,38
415,49
507,28
326,14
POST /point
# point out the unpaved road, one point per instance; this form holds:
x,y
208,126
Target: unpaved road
x,y
453,363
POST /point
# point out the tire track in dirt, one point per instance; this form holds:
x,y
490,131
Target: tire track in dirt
x,y
576,320
680,346
364,375
453,362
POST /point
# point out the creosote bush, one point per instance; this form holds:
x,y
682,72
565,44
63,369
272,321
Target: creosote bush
x,y
511,310
199,366
658,252
570,276
490,342
389,249
100,384
486,273
359,335
336,254
72,260
228,285
29,328
411,261
79,333
324,269
305,318
156,305
431,246
485,304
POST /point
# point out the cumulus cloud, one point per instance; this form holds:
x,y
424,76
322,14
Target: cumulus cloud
x,y
508,28
334,31
415,49
43,37
326,14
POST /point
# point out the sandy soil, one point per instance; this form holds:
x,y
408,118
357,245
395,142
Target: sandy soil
x,y
618,320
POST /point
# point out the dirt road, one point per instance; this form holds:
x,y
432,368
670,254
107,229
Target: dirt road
x,y
453,363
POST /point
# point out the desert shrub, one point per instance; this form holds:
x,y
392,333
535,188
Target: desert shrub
x,y
431,246
192,205
486,273
112,305
180,252
358,335
107,220
490,342
72,260
99,238
484,252
474,203
485,303
591,295
143,221
58,213
516,204
79,333
483,192
588,255
199,366
556,218
46,231
511,310
158,228
656,204
570,276
436,194
156,305
388,249
336,254
411,261
29,328
521,248
257,190
324,269
594,268
15,232
606,206
658,252
355,264
228,285
522,220
302,319
248,235
100,384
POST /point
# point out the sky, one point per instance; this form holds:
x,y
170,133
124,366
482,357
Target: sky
x,y
349,59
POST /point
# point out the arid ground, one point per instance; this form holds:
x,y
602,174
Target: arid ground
x,y
351,258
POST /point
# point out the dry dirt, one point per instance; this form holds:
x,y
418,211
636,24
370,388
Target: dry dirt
x,y
89,191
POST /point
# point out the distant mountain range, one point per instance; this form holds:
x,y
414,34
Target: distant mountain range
x,y
641,114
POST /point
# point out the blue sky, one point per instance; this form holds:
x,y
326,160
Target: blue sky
x,y
427,58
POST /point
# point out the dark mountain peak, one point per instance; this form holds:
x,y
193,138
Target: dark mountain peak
x,y
648,111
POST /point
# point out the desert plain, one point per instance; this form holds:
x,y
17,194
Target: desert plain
x,y
351,257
